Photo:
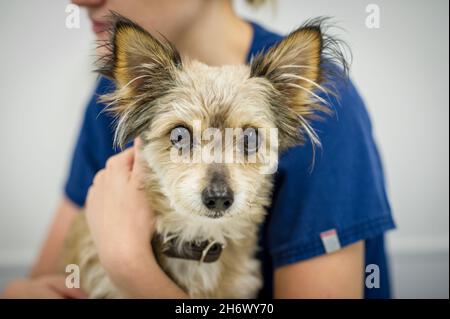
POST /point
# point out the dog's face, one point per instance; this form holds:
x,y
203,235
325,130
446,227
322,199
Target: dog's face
x,y
212,134
209,141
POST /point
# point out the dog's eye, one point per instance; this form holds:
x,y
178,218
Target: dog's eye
x,y
180,137
251,141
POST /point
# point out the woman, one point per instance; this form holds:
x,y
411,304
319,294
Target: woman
x,y
325,224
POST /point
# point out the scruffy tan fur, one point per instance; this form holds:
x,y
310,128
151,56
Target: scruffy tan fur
x,y
157,91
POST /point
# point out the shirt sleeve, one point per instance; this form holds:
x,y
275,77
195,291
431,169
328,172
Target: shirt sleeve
x,y
93,147
341,187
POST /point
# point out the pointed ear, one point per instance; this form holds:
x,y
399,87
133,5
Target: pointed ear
x,y
296,68
299,52
136,57
143,69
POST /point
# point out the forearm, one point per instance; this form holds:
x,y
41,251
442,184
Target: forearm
x,y
144,278
334,275
49,256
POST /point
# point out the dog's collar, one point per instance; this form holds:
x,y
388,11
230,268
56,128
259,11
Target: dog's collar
x,y
204,252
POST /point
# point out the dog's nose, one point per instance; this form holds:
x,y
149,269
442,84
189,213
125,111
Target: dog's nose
x,y
218,196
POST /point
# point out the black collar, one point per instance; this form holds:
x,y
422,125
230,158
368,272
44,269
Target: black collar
x,y
205,251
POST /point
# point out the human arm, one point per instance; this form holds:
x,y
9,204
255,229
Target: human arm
x,y
341,190
47,261
122,223
335,275
44,280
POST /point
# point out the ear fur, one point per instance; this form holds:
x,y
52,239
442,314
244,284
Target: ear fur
x,y
298,68
143,69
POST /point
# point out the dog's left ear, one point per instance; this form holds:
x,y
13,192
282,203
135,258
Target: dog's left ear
x,y
143,68
294,67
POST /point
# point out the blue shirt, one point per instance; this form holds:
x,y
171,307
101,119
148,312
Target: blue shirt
x,y
344,191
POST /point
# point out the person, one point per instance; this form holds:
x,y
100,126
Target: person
x,y
326,223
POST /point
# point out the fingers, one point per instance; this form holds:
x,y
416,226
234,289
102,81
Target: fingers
x,y
118,167
99,177
122,160
138,165
58,284
45,292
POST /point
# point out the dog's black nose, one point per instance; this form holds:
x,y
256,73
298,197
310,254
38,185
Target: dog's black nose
x,y
218,196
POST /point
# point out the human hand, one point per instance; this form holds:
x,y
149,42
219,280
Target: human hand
x,y
118,213
45,287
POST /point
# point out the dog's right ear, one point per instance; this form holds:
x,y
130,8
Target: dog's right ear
x,y
143,68
136,60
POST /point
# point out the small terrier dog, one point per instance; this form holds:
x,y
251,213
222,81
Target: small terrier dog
x,y
208,212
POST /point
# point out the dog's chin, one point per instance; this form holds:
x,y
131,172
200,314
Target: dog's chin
x,y
215,214
203,215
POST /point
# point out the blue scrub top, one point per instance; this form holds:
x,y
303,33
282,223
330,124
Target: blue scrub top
x,y
344,191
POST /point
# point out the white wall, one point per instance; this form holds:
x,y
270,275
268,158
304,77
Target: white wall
x,y
401,70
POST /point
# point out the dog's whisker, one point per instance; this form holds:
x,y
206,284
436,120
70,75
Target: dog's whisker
x,y
298,77
308,91
123,89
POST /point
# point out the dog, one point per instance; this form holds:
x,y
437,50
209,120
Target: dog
x,y
208,213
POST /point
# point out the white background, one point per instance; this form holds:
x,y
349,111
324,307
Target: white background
x,y
401,70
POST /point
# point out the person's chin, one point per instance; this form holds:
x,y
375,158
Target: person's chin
x,y
101,36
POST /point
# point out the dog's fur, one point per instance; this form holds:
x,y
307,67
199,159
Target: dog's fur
x,y
157,91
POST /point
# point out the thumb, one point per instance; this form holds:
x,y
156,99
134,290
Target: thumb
x,y
139,164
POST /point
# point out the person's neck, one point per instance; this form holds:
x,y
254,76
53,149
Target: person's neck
x,y
217,37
